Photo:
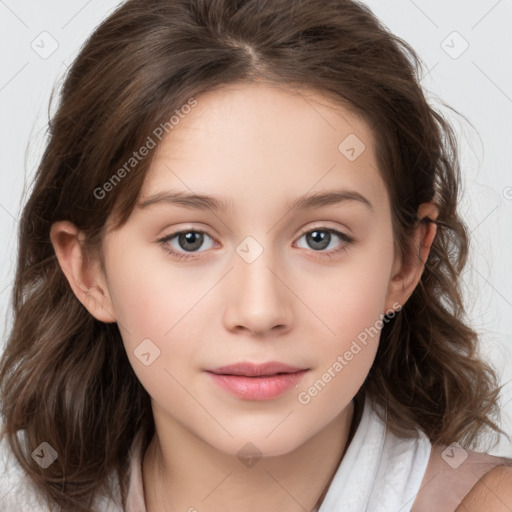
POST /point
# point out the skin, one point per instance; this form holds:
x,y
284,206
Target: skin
x,y
493,492
257,146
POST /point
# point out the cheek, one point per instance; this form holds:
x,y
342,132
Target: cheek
x,y
351,296
144,305
143,298
154,332
350,305
344,356
157,316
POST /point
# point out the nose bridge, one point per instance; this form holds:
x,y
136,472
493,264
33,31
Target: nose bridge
x,y
258,301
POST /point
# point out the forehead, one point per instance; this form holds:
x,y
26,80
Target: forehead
x,y
262,140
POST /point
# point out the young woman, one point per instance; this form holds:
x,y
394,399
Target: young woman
x,y
238,277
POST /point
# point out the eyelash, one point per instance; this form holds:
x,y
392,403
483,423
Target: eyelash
x,y
163,242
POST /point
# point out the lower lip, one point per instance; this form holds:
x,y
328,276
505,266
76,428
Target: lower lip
x,y
257,388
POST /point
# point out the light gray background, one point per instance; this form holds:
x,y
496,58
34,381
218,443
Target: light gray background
x,y
39,39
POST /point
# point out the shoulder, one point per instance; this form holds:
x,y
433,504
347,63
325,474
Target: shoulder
x,y
492,493
456,479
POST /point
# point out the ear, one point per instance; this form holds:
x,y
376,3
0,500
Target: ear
x,y
85,275
407,272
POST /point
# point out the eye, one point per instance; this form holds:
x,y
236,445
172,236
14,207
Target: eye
x,y
191,240
321,237
188,240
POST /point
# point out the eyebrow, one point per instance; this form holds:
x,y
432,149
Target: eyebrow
x,y
206,202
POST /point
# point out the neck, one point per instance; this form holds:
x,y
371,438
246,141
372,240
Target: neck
x,y
182,472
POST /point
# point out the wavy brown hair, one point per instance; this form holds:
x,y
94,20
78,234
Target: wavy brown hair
x,y
65,377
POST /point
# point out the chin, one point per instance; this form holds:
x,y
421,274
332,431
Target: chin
x,y
253,442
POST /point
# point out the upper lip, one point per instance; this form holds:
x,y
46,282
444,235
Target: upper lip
x,y
256,370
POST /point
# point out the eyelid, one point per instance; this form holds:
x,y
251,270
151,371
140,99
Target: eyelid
x,y
345,238
316,225
325,226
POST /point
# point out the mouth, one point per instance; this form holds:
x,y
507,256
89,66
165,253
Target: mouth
x,y
247,369
257,381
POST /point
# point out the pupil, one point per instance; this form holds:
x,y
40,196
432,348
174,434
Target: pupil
x,y
319,237
188,238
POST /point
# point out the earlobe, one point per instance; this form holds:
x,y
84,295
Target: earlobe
x,y
407,274
84,275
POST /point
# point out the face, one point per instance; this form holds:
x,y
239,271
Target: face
x,y
260,279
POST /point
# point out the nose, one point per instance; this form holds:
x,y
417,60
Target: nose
x,y
259,297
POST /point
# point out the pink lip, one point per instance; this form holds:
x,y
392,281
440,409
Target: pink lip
x,y
257,381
